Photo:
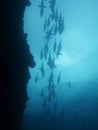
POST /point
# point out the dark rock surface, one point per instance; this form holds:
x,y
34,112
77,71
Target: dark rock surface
x,y
15,60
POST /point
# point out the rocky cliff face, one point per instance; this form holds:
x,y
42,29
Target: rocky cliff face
x,y
15,59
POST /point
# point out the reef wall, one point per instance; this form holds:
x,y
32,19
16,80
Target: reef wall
x,y
15,60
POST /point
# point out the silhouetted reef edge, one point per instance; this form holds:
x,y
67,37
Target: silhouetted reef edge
x,y
15,60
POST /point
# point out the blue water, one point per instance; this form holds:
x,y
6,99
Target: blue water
x,y
63,89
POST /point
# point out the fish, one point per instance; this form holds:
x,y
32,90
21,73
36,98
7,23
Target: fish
x,y
45,24
41,54
59,78
36,78
42,6
42,70
54,46
42,93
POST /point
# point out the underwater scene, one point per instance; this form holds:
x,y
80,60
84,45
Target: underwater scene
x,y
63,89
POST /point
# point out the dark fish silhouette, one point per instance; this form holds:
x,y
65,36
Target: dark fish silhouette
x,y
59,49
42,93
52,15
51,78
52,92
60,17
49,19
54,46
45,24
51,87
46,49
36,78
49,98
61,26
42,70
51,62
48,37
59,78
52,1
49,34
55,29
69,84
52,7
50,31
56,16
58,53
42,6
59,46
41,54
